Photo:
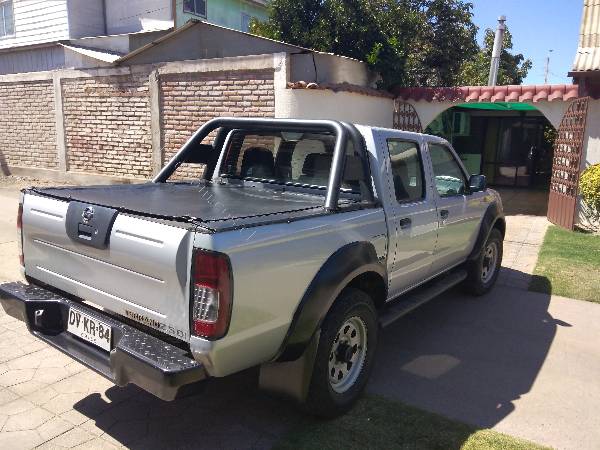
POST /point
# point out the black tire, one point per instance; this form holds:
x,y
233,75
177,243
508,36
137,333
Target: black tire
x,y
323,400
476,283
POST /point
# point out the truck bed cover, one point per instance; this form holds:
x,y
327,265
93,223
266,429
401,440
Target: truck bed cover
x,y
200,203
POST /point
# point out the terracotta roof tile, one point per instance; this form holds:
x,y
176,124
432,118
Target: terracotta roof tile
x,y
499,95
461,94
512,93
541,93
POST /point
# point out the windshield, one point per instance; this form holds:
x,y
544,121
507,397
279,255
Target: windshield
x,y
302,159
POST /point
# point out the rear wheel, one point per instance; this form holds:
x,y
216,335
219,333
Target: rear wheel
x,y
345,354
484,271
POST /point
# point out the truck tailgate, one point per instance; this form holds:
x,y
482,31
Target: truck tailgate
x,y
143,273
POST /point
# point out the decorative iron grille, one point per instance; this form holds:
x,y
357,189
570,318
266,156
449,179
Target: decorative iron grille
x,y
406,117
566,165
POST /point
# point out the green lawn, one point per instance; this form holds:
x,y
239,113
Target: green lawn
x,y
569,265
378,423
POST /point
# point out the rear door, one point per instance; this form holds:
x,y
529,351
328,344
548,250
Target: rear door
x,y
412,217
459,212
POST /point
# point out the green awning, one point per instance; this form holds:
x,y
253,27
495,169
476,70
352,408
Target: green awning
x,y
498,106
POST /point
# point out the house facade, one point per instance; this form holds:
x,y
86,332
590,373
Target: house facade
x,y
37,35
235,14
30,22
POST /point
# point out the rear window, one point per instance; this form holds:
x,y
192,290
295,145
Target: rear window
x,y
285,157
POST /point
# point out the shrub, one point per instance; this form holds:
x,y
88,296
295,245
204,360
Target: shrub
x,y
589,185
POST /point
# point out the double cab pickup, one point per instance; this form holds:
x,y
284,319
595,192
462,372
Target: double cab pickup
x,y
283,244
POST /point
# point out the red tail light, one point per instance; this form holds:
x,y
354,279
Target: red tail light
x,y
20,233
211,294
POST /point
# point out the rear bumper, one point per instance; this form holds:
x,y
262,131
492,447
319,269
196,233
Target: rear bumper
x,y
135,357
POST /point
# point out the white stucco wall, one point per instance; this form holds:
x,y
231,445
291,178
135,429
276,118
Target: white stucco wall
x,y
428,111
554,111
369,110
592,135
322,104
325,104
591,155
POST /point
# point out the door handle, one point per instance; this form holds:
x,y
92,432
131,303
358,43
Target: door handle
x,y
405,223
444,213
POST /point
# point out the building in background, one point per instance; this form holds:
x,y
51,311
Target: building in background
x,y
586,67
34,22
37,35
235,14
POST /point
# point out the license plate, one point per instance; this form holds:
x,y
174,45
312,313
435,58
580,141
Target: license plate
x,y
89,329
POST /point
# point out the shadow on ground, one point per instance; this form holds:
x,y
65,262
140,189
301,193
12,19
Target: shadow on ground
x,y
467,358
524,201
224,413
463,357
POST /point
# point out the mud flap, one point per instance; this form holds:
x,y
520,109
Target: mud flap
x,y
291,379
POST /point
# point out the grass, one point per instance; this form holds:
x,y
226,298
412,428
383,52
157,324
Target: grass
x,y
569,265
378,423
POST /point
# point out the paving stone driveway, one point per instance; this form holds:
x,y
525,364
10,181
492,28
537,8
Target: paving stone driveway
x,y
508,362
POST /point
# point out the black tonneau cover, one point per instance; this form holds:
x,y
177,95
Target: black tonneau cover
x,y
200,203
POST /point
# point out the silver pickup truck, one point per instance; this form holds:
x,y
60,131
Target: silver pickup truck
x,y
284,244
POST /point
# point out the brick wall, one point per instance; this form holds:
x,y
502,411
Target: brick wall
x,y
107,125
189,100
27,128
108,119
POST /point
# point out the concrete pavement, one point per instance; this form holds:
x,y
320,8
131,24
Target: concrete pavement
x,y
523,363
9,201
519,362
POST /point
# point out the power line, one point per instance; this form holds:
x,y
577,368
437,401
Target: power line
x,y
150,11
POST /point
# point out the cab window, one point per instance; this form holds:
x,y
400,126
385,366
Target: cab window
x,y
407,170
449,177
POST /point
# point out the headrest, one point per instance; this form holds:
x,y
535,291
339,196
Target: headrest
x,y
317,163
257,157
400,166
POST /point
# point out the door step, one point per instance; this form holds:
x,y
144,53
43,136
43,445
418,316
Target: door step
x,y
407,302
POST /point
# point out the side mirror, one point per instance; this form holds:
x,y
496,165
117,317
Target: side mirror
x,y
477,183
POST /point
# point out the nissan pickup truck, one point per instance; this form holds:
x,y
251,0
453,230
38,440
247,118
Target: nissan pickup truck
x,y
273,243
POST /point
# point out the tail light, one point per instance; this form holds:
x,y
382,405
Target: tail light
x,y
20,232
212,294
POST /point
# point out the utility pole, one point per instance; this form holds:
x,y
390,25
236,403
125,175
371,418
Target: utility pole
x,y
497,51
547,68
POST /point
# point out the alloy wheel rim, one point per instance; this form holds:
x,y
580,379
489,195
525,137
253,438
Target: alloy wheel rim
x,y
490,259
347,354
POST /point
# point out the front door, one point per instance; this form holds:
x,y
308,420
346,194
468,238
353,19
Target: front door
x,y
412,217
459,212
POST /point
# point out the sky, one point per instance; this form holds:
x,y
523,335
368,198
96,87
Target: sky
x,y
536,26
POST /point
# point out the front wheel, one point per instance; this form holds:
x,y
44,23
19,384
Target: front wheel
x,y
345,354
483,272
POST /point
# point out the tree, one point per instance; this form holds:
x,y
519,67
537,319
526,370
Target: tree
x,y
409,42
450,42
513,67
